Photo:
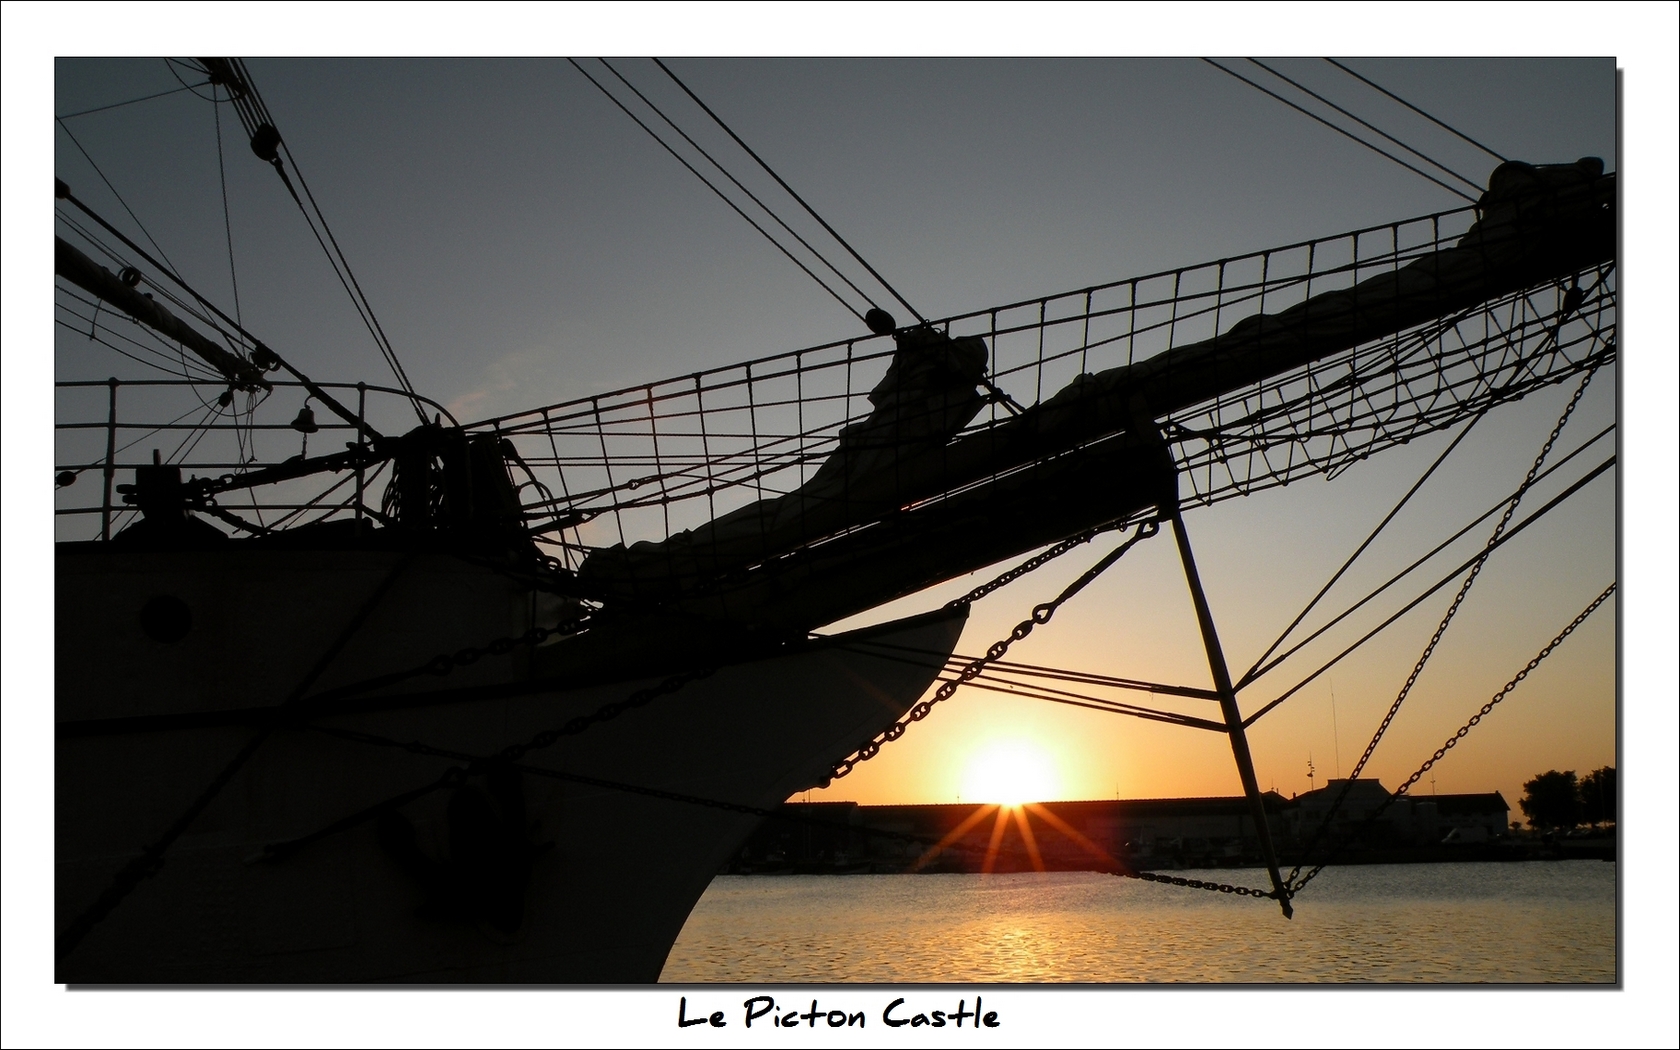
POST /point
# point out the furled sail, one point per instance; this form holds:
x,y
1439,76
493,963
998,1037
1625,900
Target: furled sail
x,y
899,507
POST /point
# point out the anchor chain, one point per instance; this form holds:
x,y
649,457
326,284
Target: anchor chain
x,y
456,774
543,572
1452,611
1197,884
1032,563
444,664
513,754
1041,614
1452,741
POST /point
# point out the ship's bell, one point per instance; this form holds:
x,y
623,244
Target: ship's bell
x,y
305,421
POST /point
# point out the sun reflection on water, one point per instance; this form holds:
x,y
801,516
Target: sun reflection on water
x,y
1548,921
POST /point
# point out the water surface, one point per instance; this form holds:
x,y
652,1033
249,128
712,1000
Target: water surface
x,y
1539,921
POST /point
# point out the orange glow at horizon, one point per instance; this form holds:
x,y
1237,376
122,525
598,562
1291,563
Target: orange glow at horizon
x,y
1009,773
1262,559
1561,717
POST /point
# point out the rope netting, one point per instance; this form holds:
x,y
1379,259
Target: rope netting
x,y
645,463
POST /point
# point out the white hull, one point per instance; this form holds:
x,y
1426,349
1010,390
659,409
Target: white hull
x,y
603,904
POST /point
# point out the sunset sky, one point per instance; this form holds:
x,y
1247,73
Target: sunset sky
x,y
524,242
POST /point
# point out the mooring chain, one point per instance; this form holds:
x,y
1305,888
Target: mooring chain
x,y
445,663
1032,563
511,756
1452,611
1041,614
1197,884
549,574
1452,741
456,774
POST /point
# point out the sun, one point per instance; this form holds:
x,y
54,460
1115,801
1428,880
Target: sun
x,y
1010,772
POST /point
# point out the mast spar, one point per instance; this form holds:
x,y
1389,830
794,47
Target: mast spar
x,y
897,507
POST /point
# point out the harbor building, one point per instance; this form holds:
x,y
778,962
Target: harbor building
x,y
1106,834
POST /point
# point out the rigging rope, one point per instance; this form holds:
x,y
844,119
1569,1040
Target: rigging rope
x,y
1337,575
279,851
97,171
267,144
709,185
1041,614
1026,626
175,366
1472,183
1451,742
275,360
151,859
738,185
1415,602
162,268
1061,674
358,297
993,682
246,438
1452,611
783,184
171,63
477,765
512,754
1497,156
130,102
1342,131
227,214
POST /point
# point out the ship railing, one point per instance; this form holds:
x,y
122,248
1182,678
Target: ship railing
x,y
105,428
645,462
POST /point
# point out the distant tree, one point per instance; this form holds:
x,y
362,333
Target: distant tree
x,y
1552,800
1598,796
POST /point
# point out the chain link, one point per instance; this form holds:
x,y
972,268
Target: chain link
x,y
444,664
1447,619
455,774
512,754
549,573
1452,742
1040,615
1035,562
1197,884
